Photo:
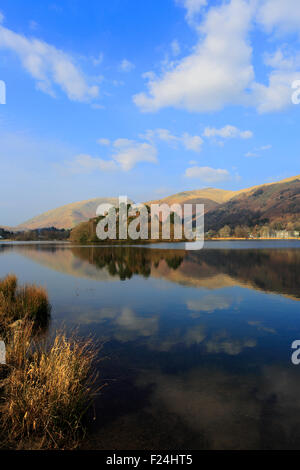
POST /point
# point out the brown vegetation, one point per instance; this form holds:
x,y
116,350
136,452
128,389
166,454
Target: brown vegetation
x,y
46,386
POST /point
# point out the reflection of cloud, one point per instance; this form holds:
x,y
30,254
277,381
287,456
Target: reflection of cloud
x,y
230,411
121,324
261,327
221,343
193,335
209,303
219,407
131,322
125,325
280,389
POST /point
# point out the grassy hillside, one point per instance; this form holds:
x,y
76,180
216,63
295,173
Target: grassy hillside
x,y
272,201
217,196
67,216
269,204
214,195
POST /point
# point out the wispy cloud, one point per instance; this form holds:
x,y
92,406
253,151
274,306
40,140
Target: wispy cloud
x,y
189,142
126,65
207,174
212,76
98,60
105,142
49,66
175,48
278,15
84,163
256,152
227,132
219,70
276,94
130,152
124,154
193,7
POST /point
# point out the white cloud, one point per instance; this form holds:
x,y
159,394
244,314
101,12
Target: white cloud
x,y
48,66
98,60
165,135
84,163
105,142
277,94
1,17
124,155
278,14
219,71
281,60
216,73
227,132
256,151
192,142
266,147
193,7
251,155
131,152
126,65
189,142
207,174
175,48
33,25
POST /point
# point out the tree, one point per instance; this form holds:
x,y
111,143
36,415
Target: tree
x,y
241,231
225,231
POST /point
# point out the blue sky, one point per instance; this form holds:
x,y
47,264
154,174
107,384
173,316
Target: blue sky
x,y
144,98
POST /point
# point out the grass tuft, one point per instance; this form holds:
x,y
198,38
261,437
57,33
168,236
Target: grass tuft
x,y
46,398
45,387
28,302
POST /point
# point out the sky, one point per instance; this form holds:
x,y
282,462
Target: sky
x,y
144,98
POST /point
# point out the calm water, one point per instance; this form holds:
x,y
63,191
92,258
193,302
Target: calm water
x,y
197,344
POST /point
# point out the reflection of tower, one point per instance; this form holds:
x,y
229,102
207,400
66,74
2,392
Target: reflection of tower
x,y
2,92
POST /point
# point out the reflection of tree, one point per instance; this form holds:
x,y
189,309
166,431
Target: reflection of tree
x,y
272,270
275,270
175,262
124,262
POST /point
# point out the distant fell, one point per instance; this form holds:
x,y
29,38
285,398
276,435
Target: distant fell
x,y
67,216
269,202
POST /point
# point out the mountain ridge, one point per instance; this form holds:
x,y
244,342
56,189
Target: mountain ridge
x,y
215,200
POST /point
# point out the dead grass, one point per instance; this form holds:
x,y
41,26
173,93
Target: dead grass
x,y
48,385
45,400
28,302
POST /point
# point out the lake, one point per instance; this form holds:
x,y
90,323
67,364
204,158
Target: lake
x,y
196,344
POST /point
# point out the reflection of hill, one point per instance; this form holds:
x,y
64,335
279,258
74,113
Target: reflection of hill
x,y
268,270
60,258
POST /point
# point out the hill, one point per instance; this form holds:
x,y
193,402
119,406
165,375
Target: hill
x,y
67,216
218,196
266,203
277,203
269,202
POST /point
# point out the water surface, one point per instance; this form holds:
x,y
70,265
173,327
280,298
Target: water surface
x,y
198,344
